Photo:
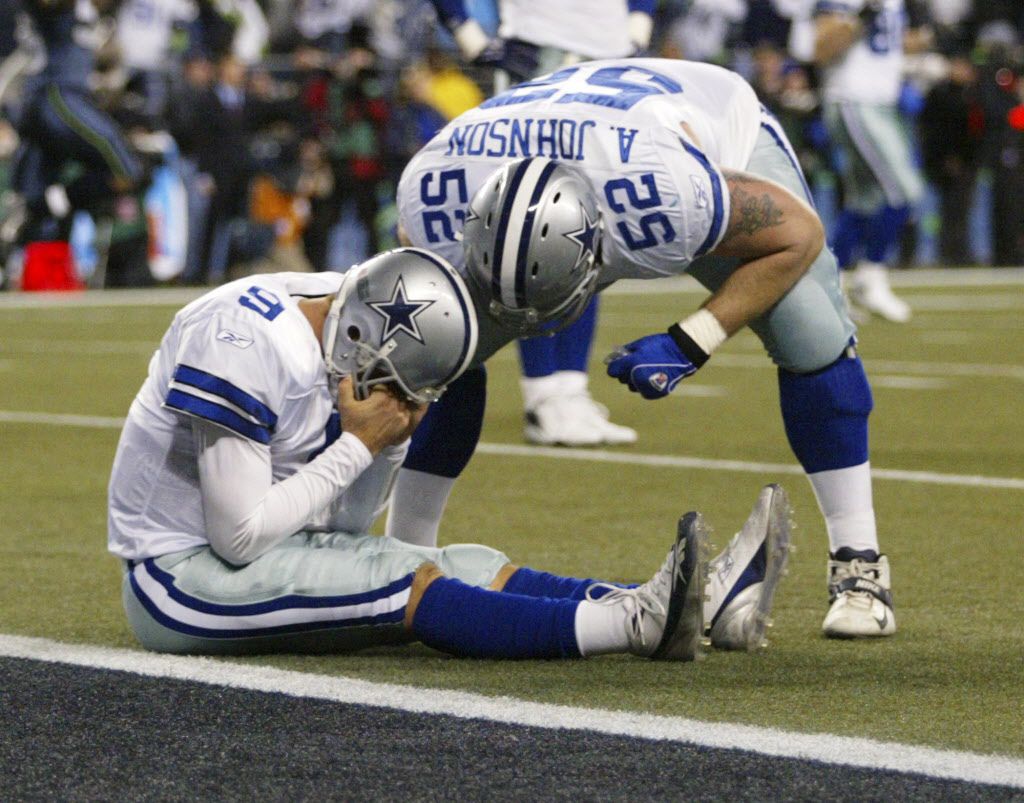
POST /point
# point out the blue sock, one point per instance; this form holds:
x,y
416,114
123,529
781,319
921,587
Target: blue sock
x,y
572,345
447,436
531,583
473,622
883,232
826,415
537,355
847,237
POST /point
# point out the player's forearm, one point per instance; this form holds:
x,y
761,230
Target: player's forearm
x,y
756,286
246,512
776,235
365,499
834,34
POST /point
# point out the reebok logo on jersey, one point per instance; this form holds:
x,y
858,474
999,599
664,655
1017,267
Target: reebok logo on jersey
x,y
235,339
700,191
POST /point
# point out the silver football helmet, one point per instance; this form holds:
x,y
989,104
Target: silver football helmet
x,y
531,237
403,317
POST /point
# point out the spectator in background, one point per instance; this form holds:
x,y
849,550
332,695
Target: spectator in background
x,y
951,130
705,31
188,98
1002,97
358,113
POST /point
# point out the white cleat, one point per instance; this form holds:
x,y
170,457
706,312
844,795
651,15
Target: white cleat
x,y
584,408
742,580
552,423
665,614
573,420
869,289
860,598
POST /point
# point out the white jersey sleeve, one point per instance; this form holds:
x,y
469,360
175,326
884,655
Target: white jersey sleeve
x,y
227,371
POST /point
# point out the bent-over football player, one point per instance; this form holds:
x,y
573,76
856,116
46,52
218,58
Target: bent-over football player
x,y
640,169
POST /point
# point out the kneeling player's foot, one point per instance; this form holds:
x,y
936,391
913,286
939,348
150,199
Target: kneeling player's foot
x,y
664,618
583,408
743,578
553,423
859,596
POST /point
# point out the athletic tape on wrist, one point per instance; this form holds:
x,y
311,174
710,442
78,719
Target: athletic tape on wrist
x,y
698,336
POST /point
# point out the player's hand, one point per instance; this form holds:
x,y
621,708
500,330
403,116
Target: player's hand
x,y
381,419
651,366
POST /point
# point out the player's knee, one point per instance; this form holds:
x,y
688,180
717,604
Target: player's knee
x,y
839,389
445,440
425,575
474,564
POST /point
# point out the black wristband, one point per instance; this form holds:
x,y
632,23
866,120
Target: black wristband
x,y
688,346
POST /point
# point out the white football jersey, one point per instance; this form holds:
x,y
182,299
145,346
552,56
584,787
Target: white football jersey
x,y
597,29
651,135
871,71
245,358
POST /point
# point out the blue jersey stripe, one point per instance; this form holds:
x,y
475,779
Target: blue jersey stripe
x,y
188,375
211,411
269,606
716,198
527,231
390,617
503,221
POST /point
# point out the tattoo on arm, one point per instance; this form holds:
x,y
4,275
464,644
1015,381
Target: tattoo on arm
x,y
751,212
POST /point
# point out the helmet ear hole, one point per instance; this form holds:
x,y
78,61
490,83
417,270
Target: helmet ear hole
x,y
354,334
544,231
534,269
557,196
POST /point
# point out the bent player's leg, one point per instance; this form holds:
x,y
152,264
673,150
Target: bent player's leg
x,y
558,407
441,447
824,393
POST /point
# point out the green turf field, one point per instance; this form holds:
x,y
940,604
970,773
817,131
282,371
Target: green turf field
x,y
949,393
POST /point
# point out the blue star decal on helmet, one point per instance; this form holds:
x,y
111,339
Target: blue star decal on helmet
x,y
399,313
585,237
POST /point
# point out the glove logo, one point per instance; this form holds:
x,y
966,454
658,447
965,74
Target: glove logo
x,y
659,381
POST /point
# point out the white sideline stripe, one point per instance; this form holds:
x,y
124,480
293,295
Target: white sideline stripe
x,y
842,750
594,455
707,464
918,277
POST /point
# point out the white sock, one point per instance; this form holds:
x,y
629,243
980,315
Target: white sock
x,y
572,383
844,496
417,504
601,629
538,389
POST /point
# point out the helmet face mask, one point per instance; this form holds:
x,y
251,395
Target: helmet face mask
x,y
403,318
531,238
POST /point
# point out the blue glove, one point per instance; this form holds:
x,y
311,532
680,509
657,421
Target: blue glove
x,y
652,366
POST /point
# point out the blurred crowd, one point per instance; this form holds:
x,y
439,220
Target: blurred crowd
x,y
273,132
